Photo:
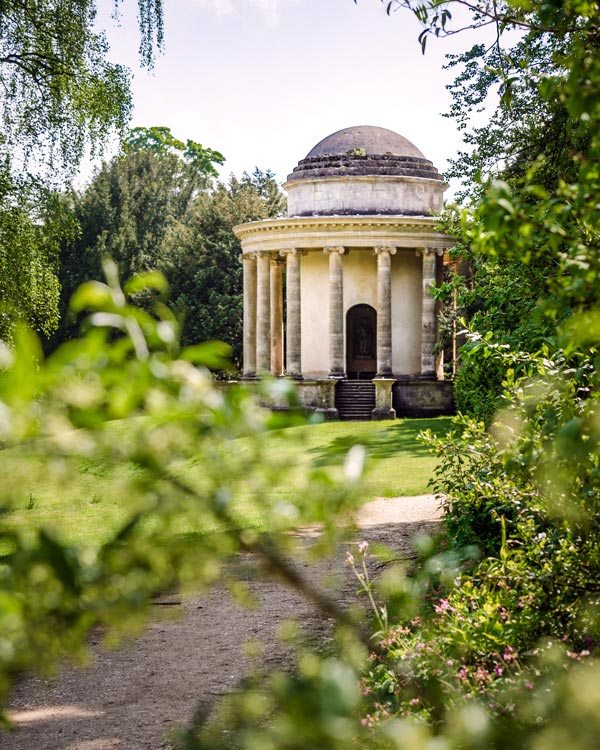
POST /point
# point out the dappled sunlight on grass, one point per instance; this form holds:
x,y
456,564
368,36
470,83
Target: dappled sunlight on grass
x,y
86,505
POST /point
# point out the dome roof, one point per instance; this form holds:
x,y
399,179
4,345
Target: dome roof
x,y
373,141
362,151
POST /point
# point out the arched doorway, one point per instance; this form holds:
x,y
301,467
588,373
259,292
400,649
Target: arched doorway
x,y
361,342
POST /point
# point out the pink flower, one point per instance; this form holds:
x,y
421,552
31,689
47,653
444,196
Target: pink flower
x,y
442,606
481,674
362,547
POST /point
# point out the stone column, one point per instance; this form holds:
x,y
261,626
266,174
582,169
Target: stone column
x,y
249,266
263,313
384,310
336,312
293,313
276,317
428,332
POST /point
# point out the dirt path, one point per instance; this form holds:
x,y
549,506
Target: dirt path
x,y
131,698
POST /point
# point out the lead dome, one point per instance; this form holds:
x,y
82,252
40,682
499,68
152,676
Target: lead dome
x,y
374,141
365,170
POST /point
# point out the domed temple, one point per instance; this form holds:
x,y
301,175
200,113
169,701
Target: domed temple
x,y
360,253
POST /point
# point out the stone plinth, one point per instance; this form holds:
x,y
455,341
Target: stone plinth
x,y
383,399
318,395
423,398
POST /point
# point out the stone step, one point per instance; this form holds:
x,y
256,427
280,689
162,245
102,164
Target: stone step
x,y
355,399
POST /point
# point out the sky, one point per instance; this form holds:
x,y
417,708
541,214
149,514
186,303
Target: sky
x,y
262,81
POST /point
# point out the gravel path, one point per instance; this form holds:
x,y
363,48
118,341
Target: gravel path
x,y
131,698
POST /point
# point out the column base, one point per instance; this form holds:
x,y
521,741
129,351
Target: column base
x,y
294,376
337,375
330,414
383,398
380,413
249,376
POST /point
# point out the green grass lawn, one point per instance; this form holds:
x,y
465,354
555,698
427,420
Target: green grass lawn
x,y
89,508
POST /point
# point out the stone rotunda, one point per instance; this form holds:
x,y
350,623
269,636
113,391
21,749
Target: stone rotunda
x,y
360,253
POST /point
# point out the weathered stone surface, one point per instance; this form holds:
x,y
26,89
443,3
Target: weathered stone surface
x,y
263,313
384,310
345,194
367,138
423,398
383,399
249,266
276,284
428,325
336,311
365,170
294,314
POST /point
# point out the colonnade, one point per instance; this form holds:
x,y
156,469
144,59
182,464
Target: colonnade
x,y
263,312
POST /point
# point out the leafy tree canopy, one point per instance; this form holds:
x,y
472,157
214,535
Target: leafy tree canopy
x,y
59,90
31,232
155,207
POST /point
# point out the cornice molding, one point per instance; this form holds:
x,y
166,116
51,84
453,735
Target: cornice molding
x,y
290,184
317,232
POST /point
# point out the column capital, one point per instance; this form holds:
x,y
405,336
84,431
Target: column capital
x,y
429,251
263,253
248,256
381,249
293,251
328,250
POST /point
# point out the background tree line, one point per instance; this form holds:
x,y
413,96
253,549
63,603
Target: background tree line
x,y
157,207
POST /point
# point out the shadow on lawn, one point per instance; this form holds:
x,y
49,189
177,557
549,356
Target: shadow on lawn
x,y
400,437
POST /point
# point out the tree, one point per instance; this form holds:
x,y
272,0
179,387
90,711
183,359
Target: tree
x,y
30,235
205,272
59,91
128,207
58,94
531,138
153,207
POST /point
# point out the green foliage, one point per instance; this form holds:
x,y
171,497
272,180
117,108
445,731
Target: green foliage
x,y
493,656
204,268
154,208
59,94
199,161
490,652
59,91
60,410
32,226
88,509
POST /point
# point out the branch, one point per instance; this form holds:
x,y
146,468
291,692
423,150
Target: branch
x,y
263,547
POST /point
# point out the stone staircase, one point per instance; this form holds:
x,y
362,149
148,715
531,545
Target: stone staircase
x,y
355,399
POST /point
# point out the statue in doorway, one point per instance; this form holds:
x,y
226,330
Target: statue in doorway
x,y
363,339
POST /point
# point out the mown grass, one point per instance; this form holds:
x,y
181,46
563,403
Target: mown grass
x,y
89,507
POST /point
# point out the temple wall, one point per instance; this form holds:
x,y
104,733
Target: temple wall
x,y
406,312
360,278
365,195
360,287
315,313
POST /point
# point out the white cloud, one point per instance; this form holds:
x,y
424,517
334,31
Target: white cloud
x,y
220,7
269,8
